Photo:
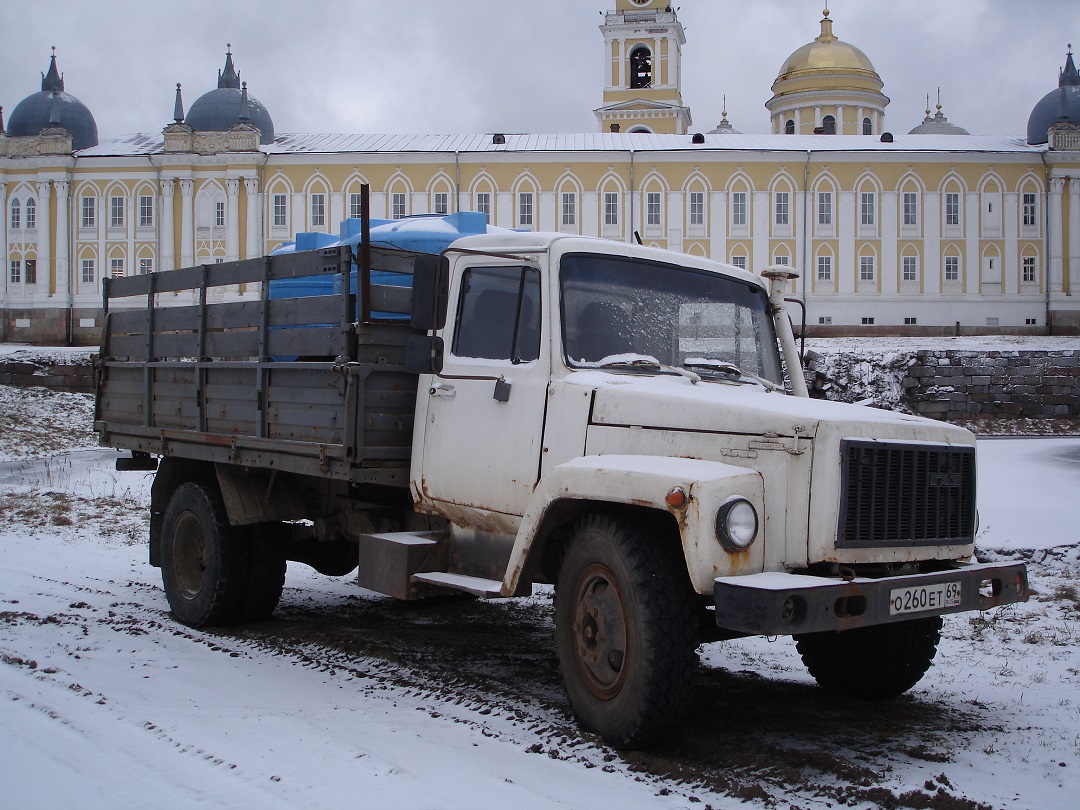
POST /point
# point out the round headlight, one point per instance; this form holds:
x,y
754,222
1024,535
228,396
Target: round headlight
x,y
736,524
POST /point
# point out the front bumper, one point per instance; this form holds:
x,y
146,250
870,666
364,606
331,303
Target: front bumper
x,y
775,604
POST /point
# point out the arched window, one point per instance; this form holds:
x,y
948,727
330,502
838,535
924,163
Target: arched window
x,y
867,127
789,127
640,68
828,123
31,213
16,214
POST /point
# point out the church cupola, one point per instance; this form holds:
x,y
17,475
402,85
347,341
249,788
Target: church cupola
x,y
643,42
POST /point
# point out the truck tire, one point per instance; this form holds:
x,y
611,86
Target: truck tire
x,y
204,563
265,572
872,662
625,630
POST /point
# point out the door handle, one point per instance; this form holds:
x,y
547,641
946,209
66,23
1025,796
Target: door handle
x,y
442,390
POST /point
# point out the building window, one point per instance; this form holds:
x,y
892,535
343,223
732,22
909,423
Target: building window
x,y
824,320
116,268
89,274
993,322
867,321
783,208
116,212
442,203
952,268
280,211
31,214
569,209
611,208
1030,210
1030,322
824,268
910,271
739,261
16,214
652,208
398,207
89,212
318,210
789,127
1029,269
738,208
697,208
525,208
15,271
952,208
911,208
146,266
911,321
824,208
867,127
31,271
783,261
356,209
868,213
483,203
866,268
146,211
828,124
219,213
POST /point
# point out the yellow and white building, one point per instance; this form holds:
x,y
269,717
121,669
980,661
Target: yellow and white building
x,y
929,231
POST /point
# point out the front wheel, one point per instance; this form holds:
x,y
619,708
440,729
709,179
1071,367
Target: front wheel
x,y
877,662
625,630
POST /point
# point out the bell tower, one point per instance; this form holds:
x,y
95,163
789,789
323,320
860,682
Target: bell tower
x,y
643,42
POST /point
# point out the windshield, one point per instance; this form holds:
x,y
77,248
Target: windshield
x,y
637,313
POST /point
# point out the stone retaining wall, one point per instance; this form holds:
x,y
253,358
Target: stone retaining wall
x,y
960,385
61,376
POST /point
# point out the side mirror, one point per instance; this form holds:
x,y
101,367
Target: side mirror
x,y
431,289
424,355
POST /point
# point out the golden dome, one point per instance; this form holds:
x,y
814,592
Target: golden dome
x,y
827,54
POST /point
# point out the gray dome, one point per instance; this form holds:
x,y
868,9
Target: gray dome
x,y
52,107
938,125
1062,104
222,109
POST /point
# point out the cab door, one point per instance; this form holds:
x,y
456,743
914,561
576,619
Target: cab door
x,y
485,413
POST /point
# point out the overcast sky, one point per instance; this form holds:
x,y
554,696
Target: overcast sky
x,y
461,66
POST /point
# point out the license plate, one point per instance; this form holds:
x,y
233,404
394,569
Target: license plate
x,y
924,597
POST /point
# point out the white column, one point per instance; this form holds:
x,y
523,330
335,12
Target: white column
x,y
252,239
840,119
45,268
1057,241
187,223
232,220
167,225
64,284
1074,234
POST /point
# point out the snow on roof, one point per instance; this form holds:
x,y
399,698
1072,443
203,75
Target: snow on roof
x,y
316,143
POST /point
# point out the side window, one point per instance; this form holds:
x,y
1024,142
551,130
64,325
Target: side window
x,y
498,315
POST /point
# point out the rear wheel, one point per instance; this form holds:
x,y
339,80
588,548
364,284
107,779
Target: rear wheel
x,y
625,630
204,565
265,572
872,662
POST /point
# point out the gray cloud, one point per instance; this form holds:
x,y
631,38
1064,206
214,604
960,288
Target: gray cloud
x,y
517,65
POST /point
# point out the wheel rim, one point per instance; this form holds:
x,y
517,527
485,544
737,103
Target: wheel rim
x,y
600,637
189,555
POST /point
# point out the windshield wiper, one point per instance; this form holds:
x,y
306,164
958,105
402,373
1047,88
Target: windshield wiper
x,y
724,367
642,361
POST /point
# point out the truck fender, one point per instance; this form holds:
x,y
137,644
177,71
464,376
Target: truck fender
x,y
256,496
640,481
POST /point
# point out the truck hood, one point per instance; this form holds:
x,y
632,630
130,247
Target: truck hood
x,y
675,403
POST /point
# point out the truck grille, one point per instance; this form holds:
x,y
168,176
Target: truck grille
x,y
906,495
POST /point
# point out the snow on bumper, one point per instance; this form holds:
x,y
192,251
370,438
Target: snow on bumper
x,y
787,604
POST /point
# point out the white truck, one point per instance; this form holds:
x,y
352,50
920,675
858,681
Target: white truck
x,y
628,424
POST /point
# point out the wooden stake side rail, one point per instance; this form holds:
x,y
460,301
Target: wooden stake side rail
x,y
191,366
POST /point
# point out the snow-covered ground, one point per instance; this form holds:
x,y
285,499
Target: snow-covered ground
x,y
109,703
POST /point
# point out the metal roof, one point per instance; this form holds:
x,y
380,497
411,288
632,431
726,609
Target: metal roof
x,y
314,143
